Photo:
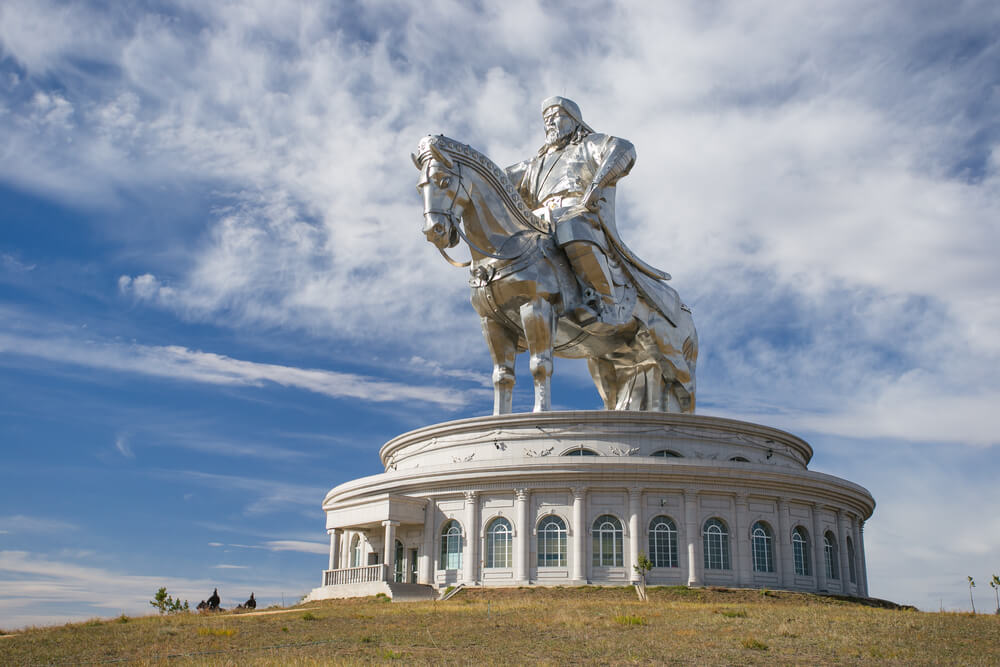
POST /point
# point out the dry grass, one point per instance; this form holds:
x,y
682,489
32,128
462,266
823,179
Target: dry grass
x,y
534,626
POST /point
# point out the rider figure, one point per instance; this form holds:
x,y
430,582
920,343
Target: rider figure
x,y
571,182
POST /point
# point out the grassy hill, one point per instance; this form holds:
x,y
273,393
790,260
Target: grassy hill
x,y
534,625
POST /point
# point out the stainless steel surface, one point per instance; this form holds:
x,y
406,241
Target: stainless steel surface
x,y
549,272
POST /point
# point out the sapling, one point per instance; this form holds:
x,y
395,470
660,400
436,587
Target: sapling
x,y
995,584
167,604
972,585
642,567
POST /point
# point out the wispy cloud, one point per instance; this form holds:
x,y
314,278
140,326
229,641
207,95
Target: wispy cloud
x,y
263,495
39,590
180,363
21,524
123,447
299,545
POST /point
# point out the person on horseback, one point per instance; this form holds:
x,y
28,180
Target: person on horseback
x,y
571,183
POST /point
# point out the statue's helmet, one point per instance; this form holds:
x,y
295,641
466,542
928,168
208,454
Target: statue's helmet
x,y
571,108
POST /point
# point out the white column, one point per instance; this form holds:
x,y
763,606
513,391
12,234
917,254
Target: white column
x,y
845,572
471,537
579,534
334,534
523,540
741,540
634,535
783,545
692,535
389,555
863,574
425,572
819,558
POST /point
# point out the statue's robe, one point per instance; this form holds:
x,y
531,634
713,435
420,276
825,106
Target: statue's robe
x,y
554,183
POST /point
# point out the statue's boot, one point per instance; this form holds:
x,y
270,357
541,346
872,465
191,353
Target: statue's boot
x,y
591,266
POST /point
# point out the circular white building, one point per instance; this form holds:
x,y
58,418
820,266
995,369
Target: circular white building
x,y
571,498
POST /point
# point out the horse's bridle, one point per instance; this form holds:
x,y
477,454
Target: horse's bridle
x,y
450,215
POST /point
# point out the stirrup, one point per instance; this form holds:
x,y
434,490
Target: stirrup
x,y
585,315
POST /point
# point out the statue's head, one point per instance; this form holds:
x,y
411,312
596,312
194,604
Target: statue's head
x,y
562,120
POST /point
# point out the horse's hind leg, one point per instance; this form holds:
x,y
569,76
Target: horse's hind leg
x,y
503,349
539,328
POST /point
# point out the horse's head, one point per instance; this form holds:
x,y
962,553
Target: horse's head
x,y
440,183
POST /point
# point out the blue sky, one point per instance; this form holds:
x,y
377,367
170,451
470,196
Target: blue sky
x,y
216,303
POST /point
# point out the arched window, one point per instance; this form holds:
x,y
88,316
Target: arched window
x,y
763,556
716,545
608,541
663,542
830,556
398,563
357,549
800,552
850,561
580,451
667,454
552,542
451,546
498,548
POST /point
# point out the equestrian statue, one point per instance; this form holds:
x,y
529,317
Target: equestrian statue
x,y
549,271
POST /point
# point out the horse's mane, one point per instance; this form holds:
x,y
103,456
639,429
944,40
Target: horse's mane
x,y
486,168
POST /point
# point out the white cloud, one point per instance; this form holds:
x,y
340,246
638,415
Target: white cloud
x,y
262,495
821,181
180,363
123,447
33,583
299,545
231,567
21,524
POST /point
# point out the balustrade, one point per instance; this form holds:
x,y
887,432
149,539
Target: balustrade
x,y
356,575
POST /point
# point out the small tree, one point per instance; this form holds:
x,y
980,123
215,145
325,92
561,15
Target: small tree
x,y
995,584
642,567
972,585
165,604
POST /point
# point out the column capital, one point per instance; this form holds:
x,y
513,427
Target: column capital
x,y
635,492
578,491
388,523
521,494
471,495
740,499
334,531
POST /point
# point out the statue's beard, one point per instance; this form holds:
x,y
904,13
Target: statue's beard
x,y
555,138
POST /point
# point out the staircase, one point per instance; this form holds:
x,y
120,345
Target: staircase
x,y
411,592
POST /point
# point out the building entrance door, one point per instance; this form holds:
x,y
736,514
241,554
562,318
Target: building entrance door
x,y
398,574
413,566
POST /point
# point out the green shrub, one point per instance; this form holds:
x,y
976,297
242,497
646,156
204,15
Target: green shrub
x,y
630,619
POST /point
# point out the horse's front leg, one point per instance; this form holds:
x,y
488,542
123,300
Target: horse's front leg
x,y
503,349
538,321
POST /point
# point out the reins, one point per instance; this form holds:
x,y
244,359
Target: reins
x,y
450,214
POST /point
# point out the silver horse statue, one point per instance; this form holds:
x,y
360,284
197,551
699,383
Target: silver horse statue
x,y
524,291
